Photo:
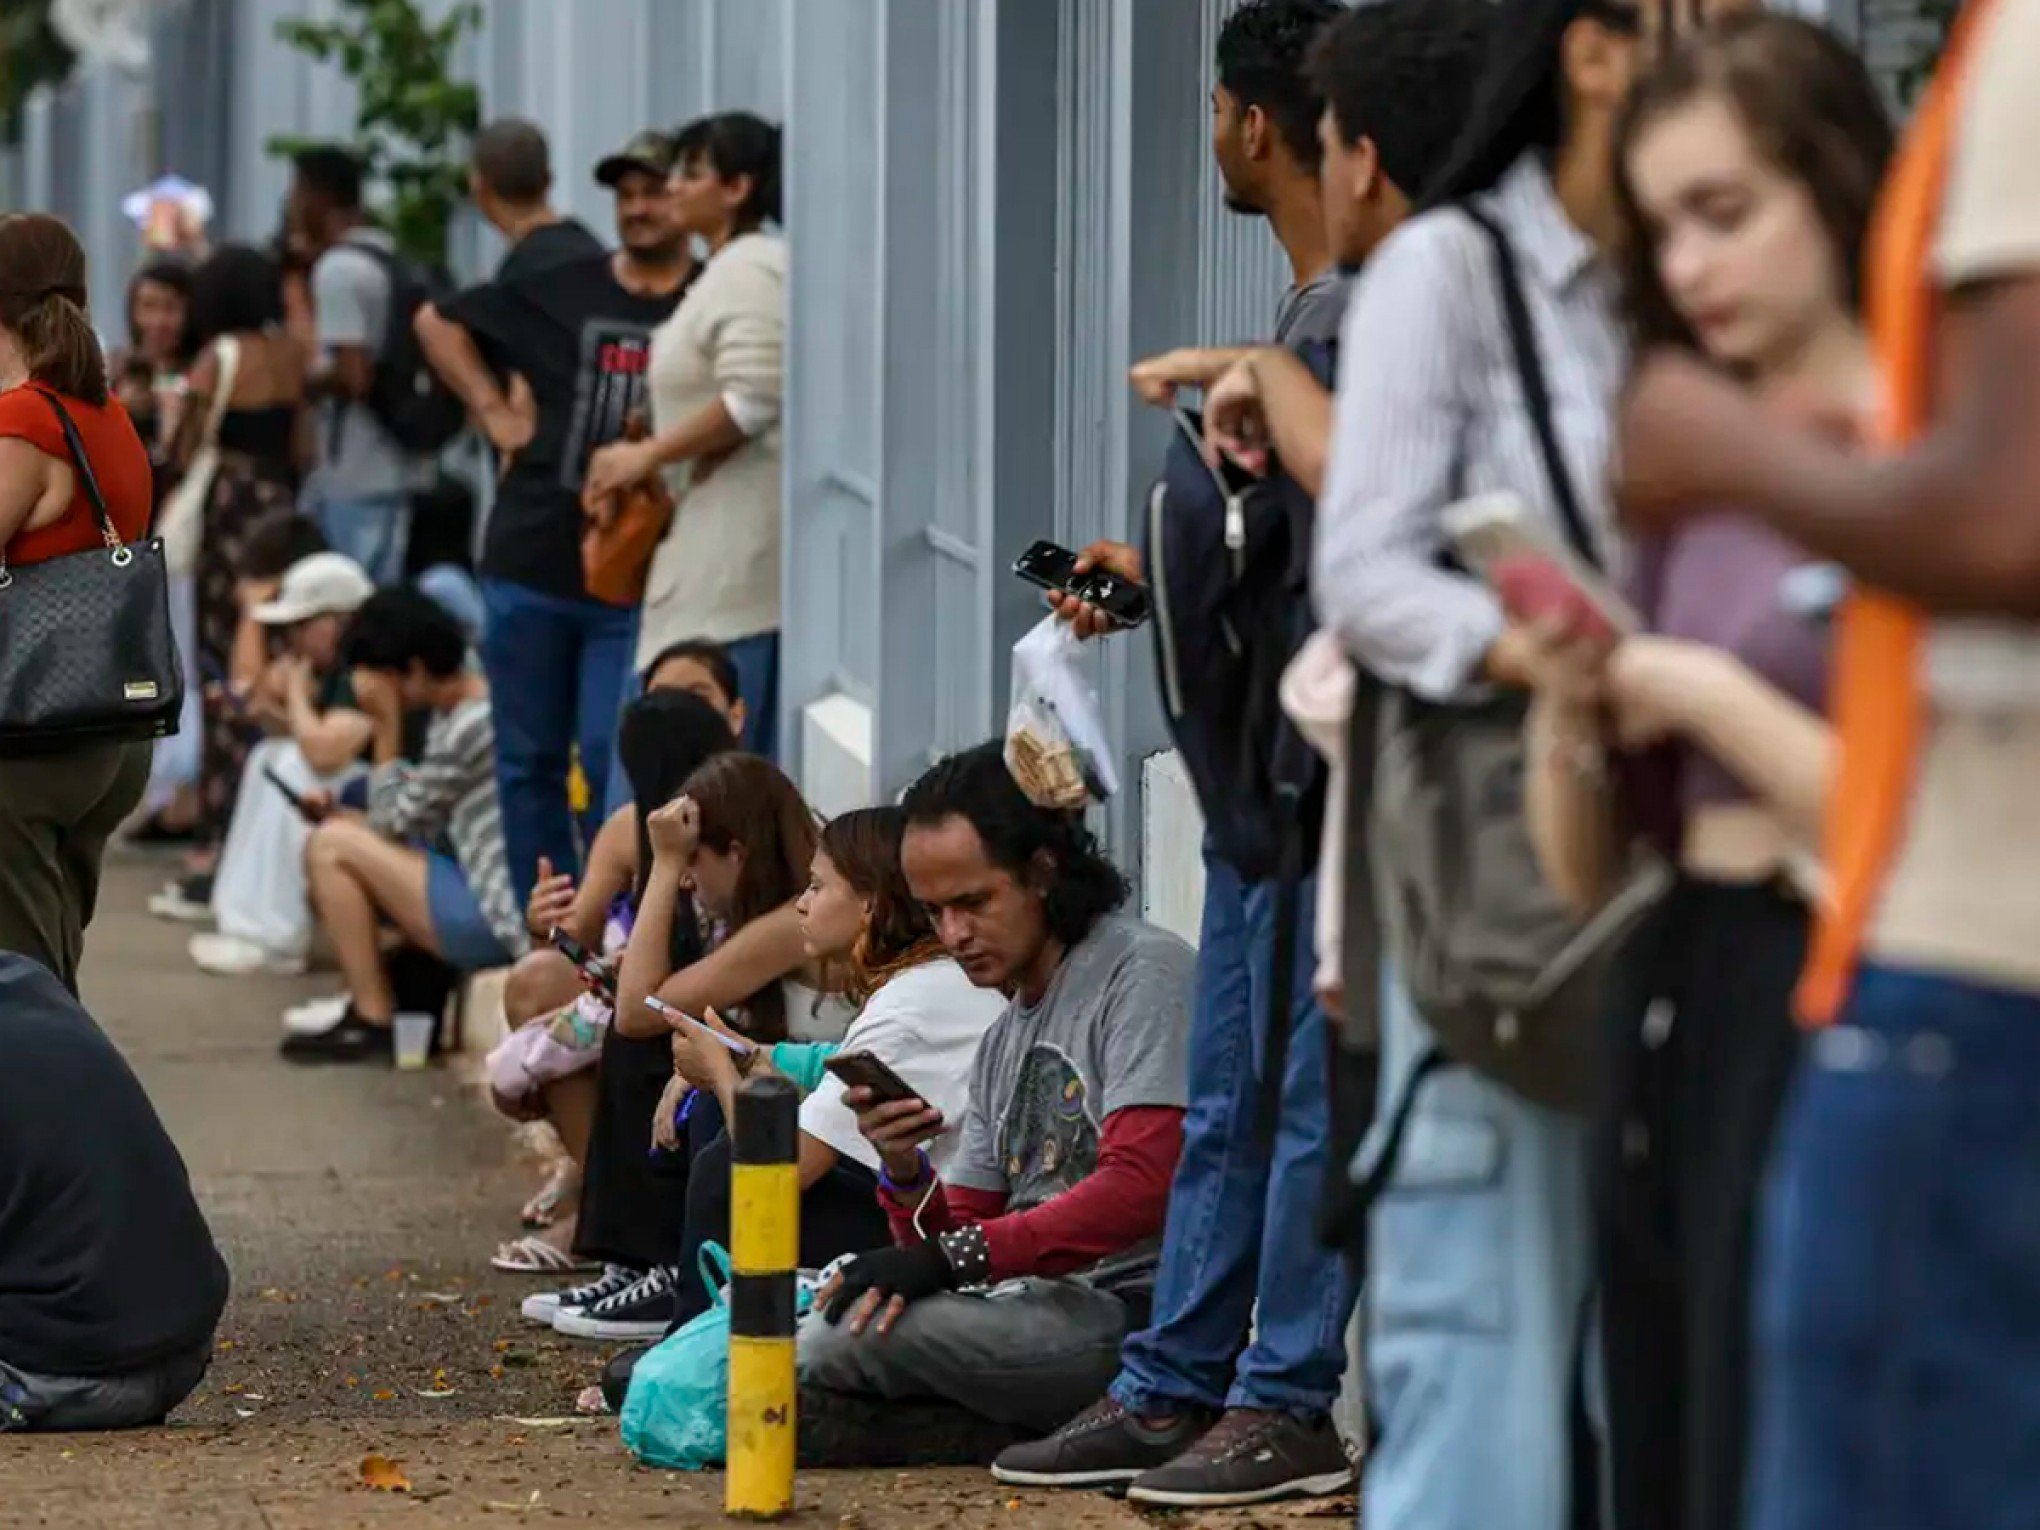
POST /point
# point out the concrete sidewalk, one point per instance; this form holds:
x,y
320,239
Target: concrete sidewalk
x,y
357,1207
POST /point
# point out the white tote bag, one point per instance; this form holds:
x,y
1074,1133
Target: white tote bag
x,y
181,524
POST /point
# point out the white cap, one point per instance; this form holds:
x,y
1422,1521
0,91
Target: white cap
x,y
325,584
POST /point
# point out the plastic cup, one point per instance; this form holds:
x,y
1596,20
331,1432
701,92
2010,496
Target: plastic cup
x,y
414,1039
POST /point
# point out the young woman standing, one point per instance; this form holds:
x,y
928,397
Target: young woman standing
x,y
717,370
1747,165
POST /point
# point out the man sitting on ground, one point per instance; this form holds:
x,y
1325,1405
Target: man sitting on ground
x,y
110,1286
1055,1196
406,653
307,695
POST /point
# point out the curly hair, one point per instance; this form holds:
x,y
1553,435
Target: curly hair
x,y
864,846
1809,107
1049,851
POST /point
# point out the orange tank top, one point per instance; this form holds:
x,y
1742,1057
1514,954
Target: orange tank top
x,y
120,463
1879,707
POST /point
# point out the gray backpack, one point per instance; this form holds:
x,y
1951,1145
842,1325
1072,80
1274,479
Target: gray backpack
x,y
1508,979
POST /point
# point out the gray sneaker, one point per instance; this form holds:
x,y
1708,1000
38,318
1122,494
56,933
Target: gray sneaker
x,y
1251,1457
1104,1446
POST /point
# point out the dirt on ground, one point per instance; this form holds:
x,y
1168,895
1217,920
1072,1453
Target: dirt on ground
x,y
366,1340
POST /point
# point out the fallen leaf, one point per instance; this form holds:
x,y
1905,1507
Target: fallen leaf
x,y
440,1298
437,1392
244,1413
384,1475
385,1395
350,1380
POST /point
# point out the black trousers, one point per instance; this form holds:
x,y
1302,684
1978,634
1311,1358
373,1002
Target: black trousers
x,y
839,1214
1702,1049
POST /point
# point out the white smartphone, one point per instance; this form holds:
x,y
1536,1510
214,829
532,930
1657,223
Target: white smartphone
x,y
1497,538
667,1012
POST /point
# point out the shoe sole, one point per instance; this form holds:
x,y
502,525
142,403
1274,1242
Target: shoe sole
x,y
1327,1485
542,1310
1118,1478
178,914
573,1325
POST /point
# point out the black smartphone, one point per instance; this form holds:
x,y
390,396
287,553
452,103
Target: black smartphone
x,y
1054,567
291,796
862,1070
591,969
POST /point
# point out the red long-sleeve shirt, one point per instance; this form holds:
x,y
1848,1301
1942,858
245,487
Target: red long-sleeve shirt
x,y
1122,1201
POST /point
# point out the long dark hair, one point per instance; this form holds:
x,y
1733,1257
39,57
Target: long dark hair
x,y
176,275
745,800
1049,851
238,291
864,846
1519,99
1810,108
43,303
665,737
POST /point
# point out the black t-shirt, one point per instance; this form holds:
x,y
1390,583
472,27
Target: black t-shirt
x,y
556,314
106,1264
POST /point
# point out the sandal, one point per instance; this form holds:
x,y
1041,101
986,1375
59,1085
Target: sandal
x,y
535,1256
543,1209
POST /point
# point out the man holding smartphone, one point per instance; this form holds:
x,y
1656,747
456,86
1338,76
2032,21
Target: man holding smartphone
x,y
1198,1415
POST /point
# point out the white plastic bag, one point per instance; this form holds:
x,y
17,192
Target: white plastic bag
x,y
1056,746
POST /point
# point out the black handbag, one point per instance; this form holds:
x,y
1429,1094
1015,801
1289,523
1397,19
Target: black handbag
x,y
86,650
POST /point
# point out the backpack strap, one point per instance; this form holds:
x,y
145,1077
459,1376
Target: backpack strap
x,y
1536,390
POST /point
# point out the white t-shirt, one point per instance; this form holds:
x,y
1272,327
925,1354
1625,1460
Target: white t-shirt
x,y
925,1025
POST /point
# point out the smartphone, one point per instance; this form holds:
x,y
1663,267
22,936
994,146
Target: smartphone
x,y
863,1070
590,968
1535,574
1054,567
304,811
672,1016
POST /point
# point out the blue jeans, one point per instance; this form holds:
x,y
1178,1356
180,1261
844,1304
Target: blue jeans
x,y
1243,1212
1898,1275
555,668
375,531
1481,1258
757,662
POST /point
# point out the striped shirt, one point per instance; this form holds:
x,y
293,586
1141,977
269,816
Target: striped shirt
x,y
450,793
1431,411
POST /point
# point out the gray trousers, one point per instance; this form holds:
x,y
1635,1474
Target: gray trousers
x,y
62,1404
1031,1353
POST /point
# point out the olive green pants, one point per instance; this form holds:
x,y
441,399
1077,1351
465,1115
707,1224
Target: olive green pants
x,y
57,812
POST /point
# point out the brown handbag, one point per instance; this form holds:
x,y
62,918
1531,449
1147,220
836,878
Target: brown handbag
x,y
616,550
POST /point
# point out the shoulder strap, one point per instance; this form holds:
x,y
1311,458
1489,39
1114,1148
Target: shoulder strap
x,y
228,350
1536,391
87,479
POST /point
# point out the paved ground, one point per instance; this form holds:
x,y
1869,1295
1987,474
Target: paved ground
x,y
357,1207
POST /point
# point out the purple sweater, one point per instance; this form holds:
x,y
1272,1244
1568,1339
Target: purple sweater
x,y
1718,580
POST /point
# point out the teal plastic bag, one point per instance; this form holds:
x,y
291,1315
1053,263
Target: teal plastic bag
x,y
676,1413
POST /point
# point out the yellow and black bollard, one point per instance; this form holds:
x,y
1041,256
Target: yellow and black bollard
x,y
764,1253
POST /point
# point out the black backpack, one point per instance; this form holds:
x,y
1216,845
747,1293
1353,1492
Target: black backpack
x,y
418,410
1228,566
1228,563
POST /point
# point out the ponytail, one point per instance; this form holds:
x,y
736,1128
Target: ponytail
x,y
42,303
61,347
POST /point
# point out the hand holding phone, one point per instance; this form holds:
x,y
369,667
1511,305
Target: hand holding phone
x,y
313,806
680,1018
596,973
866,1071
1539,580
1092,577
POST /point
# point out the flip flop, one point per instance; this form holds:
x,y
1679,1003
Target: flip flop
x,y
535,1256
543,1209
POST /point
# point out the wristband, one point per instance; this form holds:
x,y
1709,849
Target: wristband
x,y
923,1172
969,1256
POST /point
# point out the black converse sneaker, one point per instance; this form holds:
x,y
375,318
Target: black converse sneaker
x,y
352,1040
545,1306
1104,1446
641,1310
1251,1456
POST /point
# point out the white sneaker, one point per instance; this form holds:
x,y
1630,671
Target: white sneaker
x,y
317,1015
231,956
641,1310
175,904
544,1306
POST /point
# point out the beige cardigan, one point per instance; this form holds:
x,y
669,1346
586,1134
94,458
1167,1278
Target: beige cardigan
x,y
716,574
